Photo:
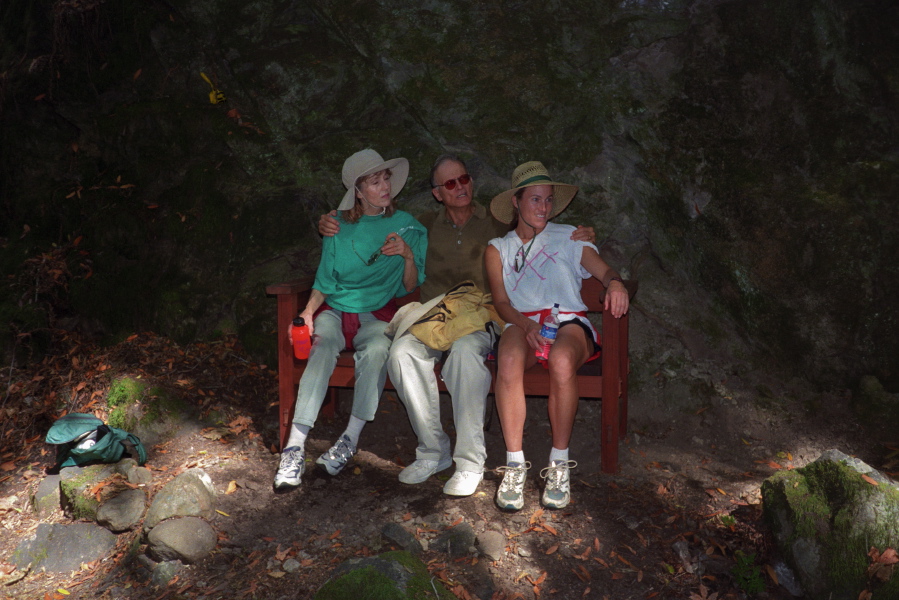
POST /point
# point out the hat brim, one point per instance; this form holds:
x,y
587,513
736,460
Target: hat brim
x,y
409,317
400,173
503,211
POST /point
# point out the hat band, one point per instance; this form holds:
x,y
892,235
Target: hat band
x,y
534,179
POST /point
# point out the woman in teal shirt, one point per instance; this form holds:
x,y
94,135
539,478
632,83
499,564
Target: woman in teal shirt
x,y
378,255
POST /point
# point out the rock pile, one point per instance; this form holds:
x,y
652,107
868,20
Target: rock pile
x,y
175,522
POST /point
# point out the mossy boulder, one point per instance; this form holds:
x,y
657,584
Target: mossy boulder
x,y
75,484
826,517
151,413
390,576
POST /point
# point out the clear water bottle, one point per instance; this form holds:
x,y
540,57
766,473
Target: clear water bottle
x,y
299,337
548,330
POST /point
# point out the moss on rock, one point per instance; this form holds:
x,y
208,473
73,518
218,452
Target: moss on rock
x,y
393,575
826,517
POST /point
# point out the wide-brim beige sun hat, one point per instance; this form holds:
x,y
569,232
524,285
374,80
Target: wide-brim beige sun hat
x,y
526,175
365,162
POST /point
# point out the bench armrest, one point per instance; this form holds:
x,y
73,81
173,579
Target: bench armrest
x,y
295,286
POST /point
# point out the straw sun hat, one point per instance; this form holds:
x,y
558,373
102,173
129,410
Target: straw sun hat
x,y
366,162
526,175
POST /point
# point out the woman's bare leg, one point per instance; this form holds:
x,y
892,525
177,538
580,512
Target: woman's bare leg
x,y
569,352
515,355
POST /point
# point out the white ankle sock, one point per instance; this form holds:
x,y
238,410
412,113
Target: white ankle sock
x,y
298,434
559,456
517,457
354,429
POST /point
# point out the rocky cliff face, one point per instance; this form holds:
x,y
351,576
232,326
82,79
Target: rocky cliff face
x,y
738,158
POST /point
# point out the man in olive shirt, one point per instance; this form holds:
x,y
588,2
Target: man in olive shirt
x,y
458,233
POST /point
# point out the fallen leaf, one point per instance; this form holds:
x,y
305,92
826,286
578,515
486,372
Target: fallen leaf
x,y
552,549
870,480
277,574
889,557
232,487
222,513
580,575
772,574
8,466
136,75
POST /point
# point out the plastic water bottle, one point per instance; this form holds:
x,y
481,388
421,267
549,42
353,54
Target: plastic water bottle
x,y
299,337
548,330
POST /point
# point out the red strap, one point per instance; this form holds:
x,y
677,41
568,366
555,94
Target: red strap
x,y
349,323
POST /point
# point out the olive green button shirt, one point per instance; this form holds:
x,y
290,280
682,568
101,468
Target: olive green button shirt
x,y
457,253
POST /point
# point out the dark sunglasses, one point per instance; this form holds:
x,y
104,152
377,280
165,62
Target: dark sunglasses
x,y
371,260
451,184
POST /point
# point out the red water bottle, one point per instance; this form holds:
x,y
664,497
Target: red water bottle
x,y
299,337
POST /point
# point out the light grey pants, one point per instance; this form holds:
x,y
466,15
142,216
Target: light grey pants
x,y
411,367
371,346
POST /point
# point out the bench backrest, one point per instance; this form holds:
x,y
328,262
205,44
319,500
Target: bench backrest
x,y
592,293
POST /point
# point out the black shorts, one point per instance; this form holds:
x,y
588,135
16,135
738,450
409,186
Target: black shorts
x,y
587,330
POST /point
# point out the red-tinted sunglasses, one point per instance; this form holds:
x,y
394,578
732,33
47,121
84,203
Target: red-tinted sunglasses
x,y
451,184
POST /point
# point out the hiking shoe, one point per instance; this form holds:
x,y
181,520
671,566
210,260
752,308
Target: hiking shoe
x,y
420,470
337,457
462,483
293,463
510,494
557,492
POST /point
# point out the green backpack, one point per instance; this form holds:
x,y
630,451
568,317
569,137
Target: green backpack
x,y
82,438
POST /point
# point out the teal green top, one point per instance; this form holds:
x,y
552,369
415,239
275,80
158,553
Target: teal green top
x,y
351,285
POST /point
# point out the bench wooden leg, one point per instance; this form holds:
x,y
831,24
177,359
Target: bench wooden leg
x,y
287,395
624,366
611,389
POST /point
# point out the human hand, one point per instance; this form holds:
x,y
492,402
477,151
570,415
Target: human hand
x,y
396,245
307,319
617,299
532,335
328,225
583,234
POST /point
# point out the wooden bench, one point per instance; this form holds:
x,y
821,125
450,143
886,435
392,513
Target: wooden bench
x,y
592,379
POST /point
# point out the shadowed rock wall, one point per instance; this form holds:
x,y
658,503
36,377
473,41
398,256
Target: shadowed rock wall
x,y
738,158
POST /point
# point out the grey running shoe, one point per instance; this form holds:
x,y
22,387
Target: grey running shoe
x,y
510,494
557,493
293,463
335,459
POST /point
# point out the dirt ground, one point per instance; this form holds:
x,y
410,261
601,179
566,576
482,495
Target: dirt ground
x,y
681,519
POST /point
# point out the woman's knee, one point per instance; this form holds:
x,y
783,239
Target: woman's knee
x,y
563,365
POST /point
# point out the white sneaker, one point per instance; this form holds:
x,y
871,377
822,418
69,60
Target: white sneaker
x,y
290,470
337,457
510,493
421,469
462,483
557,493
